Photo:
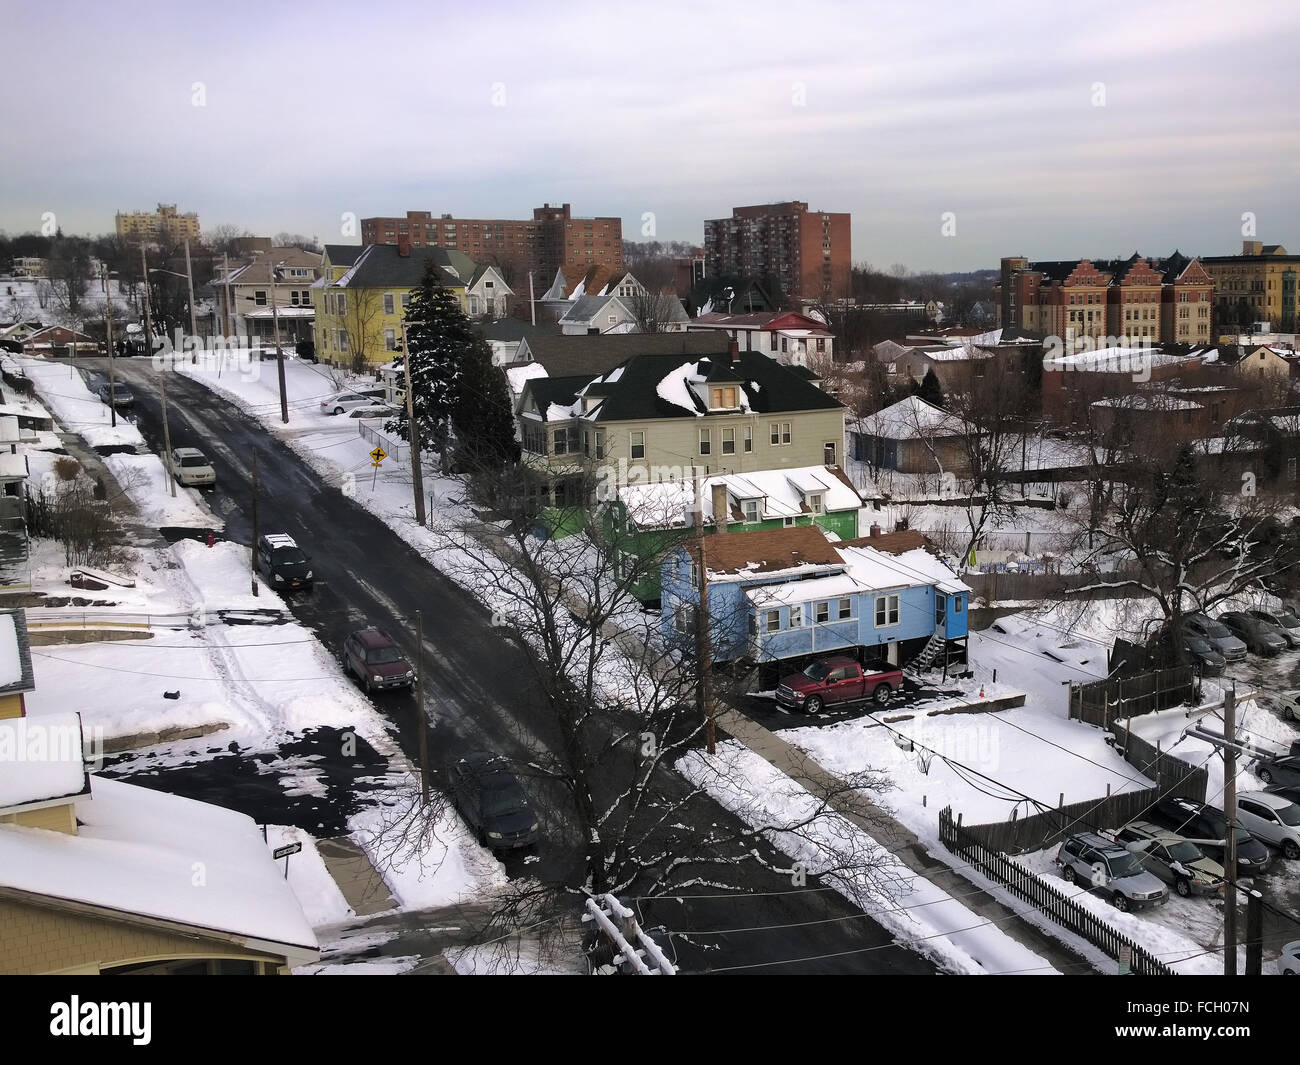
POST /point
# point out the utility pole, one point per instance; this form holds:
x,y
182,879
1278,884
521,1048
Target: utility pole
x,y
412,432
1230,848
162,377
421,723
112,371
279,355
225,291
703,644
532,302
252,554
189,280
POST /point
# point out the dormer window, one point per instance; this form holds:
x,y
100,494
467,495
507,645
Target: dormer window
x,y
815,503
750,508
722,398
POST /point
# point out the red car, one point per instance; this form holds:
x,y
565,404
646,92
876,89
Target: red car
x,y
837,680
376,661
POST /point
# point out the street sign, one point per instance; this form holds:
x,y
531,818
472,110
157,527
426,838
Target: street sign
x,y
286,850
377,456
1125,960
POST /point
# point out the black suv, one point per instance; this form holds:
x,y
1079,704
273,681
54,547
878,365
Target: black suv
x,y
1206,826
492,801
282,563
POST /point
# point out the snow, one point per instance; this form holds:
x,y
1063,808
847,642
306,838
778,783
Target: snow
x,y
147,852
319,896
40,760
11,663
1043,658
146,482
516,376
673,387
909,419
77,408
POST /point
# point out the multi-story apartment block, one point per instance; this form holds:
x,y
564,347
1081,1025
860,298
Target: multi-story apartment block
x,y
1084,301
164,224
1260,281
807,252
551,239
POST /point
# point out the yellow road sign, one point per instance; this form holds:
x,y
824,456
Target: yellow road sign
x,y
378,455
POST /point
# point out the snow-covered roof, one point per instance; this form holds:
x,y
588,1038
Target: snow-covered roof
x,y
41,758
136,851
1146,402
909,419
669,504
283,312
1120,359
517,375
15,656
866,570
13,467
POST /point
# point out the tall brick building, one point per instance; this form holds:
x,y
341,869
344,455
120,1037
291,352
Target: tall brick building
x,y
807,252
551,239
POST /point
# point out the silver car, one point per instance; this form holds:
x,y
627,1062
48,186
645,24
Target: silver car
x,y
1175,860
1216,634
1110,869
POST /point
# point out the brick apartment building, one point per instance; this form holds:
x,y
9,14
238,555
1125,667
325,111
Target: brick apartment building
x,y
808,252
1261,281
164,224
1085,300
550,240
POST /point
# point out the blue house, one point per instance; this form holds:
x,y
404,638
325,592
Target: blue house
x,y
786,594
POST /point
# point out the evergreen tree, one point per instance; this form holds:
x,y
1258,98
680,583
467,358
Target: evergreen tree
x,y
929,389
438,335
483,415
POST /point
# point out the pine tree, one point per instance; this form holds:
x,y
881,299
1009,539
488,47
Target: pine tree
x,y
930,389
483,415
438,335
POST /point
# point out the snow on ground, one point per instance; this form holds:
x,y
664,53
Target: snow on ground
x,y
920,915
145,480
1037,657
76,407
318,895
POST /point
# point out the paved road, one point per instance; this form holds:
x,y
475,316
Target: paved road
x,y
477,690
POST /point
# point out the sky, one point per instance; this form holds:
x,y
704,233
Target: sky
x,y
953,133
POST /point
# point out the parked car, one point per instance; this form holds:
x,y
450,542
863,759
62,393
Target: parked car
x,y
340,402
374,410
829,681
1111,869
1283,769
492,801
1175,860
1258,637
282,562
1207,827
1285,704
372,657
191,467
1289,962
1202,654
1283,622
1272,818
116,394
1216,634
1290,792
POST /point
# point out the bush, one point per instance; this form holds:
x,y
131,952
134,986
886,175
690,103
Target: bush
x,y
66,467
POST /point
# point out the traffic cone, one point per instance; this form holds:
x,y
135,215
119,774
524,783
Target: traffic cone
x,y
981,689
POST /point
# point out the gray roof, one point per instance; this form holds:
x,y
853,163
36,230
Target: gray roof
x,y
512,329
585,308
383,266
343,254
562,355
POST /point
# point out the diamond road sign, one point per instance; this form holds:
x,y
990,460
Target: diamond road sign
x,y
378,455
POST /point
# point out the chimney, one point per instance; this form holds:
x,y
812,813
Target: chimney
x,y
828,455
875,530
733,349
721,505
404,246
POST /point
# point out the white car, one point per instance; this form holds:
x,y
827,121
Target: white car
x,y
351,400
1272,818
1290,960
191,467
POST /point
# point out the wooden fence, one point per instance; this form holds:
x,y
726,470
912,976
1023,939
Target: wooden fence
x,y
995,587
1104,702
1049,900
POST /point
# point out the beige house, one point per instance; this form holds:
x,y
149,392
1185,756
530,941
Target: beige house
x,y
270,284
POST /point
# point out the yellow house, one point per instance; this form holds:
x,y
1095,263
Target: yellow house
x,y
360,307
99,876
15,664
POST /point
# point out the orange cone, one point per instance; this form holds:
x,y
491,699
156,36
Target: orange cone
x,y
981,691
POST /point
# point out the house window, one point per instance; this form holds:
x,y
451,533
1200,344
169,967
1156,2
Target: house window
x,y
706,444
845,608
343,303
821,344
749,439
886,611
390,339
567,441
728,441
389,303
406,300
822,611
724,397
693,572
684,619
771,620
259,297
343,340
750,507
637,444
785,432
535,439
956,599
815,503
788,522
796,617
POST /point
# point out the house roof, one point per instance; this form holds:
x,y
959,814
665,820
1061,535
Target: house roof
x,y
893,543
585,308
42,759
258,271
910,419
344,254
383,266
592,355
549,393
769,550
15,654
509,330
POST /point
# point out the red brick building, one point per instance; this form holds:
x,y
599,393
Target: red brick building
x,y
807,252
551,239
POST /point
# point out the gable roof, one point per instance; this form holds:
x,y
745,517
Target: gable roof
x,y
564,355
910,419
893,543
15,654
550,392
769,550
343,254
58,772
383,266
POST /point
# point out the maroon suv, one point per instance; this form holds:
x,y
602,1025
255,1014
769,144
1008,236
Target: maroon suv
x,y
376,661
837,680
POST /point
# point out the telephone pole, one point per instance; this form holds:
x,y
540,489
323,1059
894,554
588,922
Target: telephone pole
x,y
279,354
162,377
703,644
1230,848
189,280
112,372
252,554
422,723
412,432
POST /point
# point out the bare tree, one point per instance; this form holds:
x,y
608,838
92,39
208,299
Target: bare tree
x,y
361,312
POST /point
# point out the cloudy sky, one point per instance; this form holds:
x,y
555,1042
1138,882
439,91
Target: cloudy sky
x,y
1047,130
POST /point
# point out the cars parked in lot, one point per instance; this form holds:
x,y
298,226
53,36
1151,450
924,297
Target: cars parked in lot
x,y
1273,818
830,681
1258,637
1289,962
1216,634
376,661
191,468
1175,860
282,563
1201,653
1285,704
351,399
492,801
1283,769
116,394
1207,827
1290,792
1283,622
1115,871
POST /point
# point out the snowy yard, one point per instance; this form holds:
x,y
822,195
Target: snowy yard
x,y
80,411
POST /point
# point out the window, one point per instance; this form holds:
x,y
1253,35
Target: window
x,y
815,503
342,340
796,617
750,508
845,608
389,303
886,611
567,441
259,298
343,303
406,300
535,439
776,433
390,339
821,343
693,572
706,443
785,432
684,619
637,444
723,397
788,523
771,620
728,441
598,442
749,439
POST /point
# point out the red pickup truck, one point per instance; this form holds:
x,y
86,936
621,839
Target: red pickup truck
x,y
837,680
